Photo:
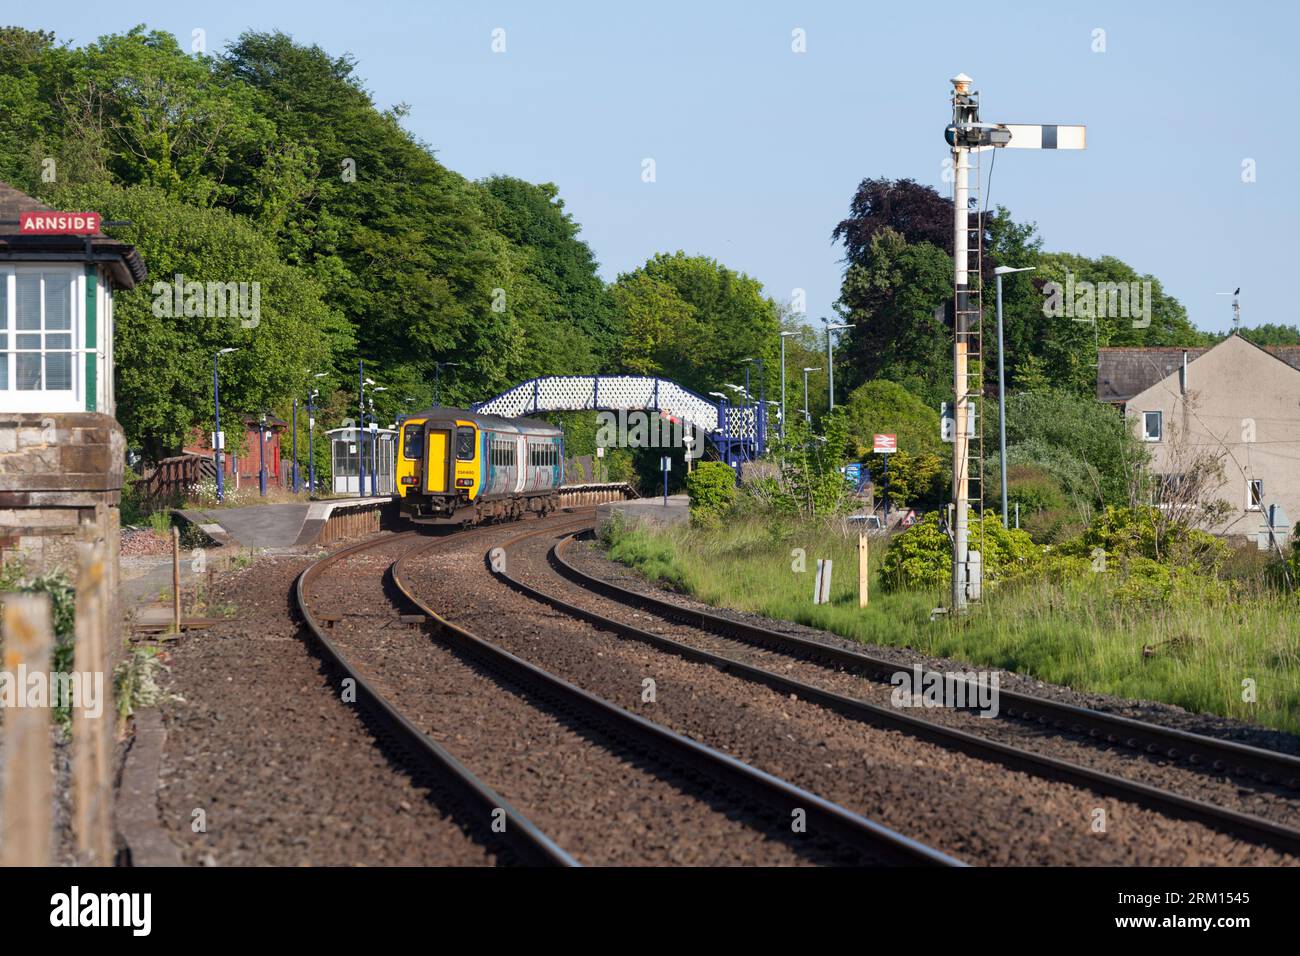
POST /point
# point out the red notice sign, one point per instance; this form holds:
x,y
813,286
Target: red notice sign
x,y
884,444
58,223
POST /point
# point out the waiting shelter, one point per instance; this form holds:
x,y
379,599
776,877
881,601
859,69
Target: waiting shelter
x,y
347,448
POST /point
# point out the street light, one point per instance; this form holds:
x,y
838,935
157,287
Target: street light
x,y
1001,271
374,442
784,336
218,440
311,439
807,417
830,364
261,468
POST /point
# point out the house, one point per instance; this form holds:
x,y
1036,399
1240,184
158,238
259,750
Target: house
x,y
1235,402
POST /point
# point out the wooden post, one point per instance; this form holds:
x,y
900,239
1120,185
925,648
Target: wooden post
x,y
864,576
176,578
91,770
28,837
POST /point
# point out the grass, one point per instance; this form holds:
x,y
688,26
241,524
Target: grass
x,y
1076,633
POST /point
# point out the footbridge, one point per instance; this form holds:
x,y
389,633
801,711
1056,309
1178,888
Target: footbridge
x,y
737,431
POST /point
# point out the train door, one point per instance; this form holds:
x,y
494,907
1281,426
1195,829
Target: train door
x,y
437,462
521,456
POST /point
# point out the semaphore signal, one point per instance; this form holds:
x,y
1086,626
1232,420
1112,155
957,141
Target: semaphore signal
x,y
967,135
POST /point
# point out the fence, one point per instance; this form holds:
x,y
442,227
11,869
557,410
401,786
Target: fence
x,y
172,478
27,799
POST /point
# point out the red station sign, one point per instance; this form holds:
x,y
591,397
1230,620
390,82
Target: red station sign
x,y
50,223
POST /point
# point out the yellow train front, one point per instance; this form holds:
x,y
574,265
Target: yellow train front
x,y
459,466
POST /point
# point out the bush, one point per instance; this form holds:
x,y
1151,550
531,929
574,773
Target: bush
x,y
921,557
1126,533
712,490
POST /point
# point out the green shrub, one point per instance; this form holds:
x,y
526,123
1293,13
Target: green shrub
x,y
921,557
712,490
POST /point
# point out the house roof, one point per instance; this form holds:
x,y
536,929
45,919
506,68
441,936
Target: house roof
x,y
122,259
1125,372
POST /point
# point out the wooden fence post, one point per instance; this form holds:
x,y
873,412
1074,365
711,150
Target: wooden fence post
x,y
864,576
91,735
28,838
176,579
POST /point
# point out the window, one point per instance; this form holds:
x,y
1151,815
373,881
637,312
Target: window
x,y
37,326
1255,494
412,446
465,444
1152,426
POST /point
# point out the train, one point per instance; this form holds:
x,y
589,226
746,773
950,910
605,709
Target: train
x,y
459,466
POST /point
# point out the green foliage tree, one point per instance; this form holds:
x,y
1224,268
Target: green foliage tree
x,y
920,558
1085,446
727,322
810,482
885,407
164,360
712,490
894,302
909,480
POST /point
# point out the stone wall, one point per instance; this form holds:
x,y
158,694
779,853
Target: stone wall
x,y
58,472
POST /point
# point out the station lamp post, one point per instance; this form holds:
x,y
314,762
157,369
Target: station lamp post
x,y
311,436
1001,271
261,441
807,417
830,364
218,440
784,336
374,442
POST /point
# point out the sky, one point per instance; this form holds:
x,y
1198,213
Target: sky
x,y
757,149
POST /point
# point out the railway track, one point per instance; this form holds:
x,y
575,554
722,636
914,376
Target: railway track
x,y
522,841
720,779
736,635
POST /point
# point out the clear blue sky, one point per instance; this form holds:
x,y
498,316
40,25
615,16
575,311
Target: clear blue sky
x,y
758,149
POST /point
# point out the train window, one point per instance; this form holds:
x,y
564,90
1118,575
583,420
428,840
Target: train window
x,y
465,444
412,447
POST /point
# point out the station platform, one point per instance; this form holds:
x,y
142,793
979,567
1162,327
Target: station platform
x,y
290,525
678,510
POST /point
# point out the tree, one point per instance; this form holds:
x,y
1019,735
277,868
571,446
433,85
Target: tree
x,y
885,407
533,217
729,320
893,302
164,359
1085,446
